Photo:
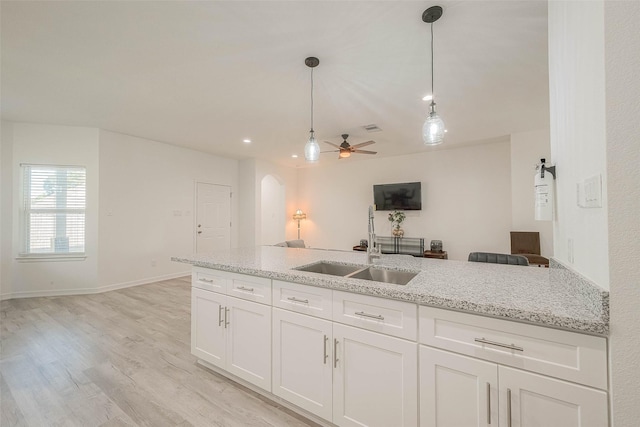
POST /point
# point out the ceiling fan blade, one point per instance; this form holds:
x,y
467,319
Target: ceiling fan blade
x,y
364,152
363,144
330,151
331,143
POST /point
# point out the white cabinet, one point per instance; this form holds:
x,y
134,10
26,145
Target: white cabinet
x,y
375,379
208,335
303,361
232,334
249,341
457,391
531,400
347,375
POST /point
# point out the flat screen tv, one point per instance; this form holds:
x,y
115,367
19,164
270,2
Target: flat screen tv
x,y
406,196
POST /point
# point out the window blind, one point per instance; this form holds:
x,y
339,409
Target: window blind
x,y
54,209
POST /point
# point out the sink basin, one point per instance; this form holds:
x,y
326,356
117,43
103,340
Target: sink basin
x,y
384,275
330,268
364,272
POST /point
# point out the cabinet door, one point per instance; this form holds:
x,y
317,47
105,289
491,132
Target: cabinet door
x,y
531,400
457,390
207,326
302,361
375,380
249,341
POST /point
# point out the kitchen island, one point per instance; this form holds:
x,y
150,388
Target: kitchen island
x,y
460,344
554,297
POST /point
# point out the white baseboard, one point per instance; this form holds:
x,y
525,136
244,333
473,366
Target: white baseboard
x,y
87,291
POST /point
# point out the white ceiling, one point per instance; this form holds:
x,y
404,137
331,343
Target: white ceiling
x,y
208,74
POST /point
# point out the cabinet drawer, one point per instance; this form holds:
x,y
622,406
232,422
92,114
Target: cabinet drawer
x,y
208,279
257,289
568,355
390,317
303,299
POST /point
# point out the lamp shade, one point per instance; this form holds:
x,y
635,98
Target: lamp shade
x,y
299,215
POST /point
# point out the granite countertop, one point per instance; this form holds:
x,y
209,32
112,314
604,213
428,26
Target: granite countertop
x,y
555,297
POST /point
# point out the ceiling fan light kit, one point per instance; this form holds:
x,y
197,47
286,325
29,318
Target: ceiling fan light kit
x,y
311,148
433,127
345,149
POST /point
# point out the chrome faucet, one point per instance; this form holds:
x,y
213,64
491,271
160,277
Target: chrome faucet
x,y
372,250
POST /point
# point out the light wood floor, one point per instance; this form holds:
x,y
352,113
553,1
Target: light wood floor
x,y
114,359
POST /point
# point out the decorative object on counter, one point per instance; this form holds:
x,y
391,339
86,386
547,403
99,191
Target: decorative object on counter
x,y
403,246
436,255
311,148
436,246
433,128
364,243
397,218
299,215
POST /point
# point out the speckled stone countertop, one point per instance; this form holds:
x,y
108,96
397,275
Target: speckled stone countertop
x,y
554,297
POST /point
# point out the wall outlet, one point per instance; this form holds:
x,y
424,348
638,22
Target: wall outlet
x,y
570,250
177,213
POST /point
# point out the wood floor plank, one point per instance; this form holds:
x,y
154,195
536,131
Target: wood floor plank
x,y
120,358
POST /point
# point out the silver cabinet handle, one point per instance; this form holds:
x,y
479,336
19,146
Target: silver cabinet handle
x,y
325,355
220,308
498,344
226,322
203,279
335,353
242,288
488,403
199,232
508,407
371,316
294,299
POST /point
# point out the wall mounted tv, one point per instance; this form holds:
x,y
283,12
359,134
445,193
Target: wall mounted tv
x,y
406,196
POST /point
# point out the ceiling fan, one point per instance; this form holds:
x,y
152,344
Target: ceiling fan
x,y
345,149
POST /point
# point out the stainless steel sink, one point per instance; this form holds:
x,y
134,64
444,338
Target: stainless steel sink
x,y
384,275
333,269
364,272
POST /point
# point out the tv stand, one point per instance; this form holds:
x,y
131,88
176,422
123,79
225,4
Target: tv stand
x,y
401,245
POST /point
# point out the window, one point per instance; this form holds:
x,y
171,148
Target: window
x,y
54,210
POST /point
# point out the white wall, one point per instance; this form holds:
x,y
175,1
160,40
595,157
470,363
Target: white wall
x,y
527,148
622,47
61,145
6,203
576,83
251,173
466,199
147,206
273,213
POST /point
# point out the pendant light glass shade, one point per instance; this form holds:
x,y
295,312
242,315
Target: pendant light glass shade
x,y
311,149
433,128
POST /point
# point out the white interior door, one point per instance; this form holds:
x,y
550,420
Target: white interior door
x,y
213,217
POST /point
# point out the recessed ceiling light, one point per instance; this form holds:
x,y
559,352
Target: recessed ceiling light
x,y
246,141
427,97
295,156
445,131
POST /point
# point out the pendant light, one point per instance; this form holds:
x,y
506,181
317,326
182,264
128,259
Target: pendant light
x,y
311,148
433,127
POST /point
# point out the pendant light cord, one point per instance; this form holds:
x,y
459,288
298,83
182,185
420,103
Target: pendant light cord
x,y
312,100
432,94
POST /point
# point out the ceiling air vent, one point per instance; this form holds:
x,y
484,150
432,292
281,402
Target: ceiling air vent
x,y
372,128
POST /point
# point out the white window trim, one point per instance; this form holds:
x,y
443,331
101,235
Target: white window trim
x,y
44,257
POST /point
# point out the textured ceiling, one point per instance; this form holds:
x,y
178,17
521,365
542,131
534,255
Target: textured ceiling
x,y
206,75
